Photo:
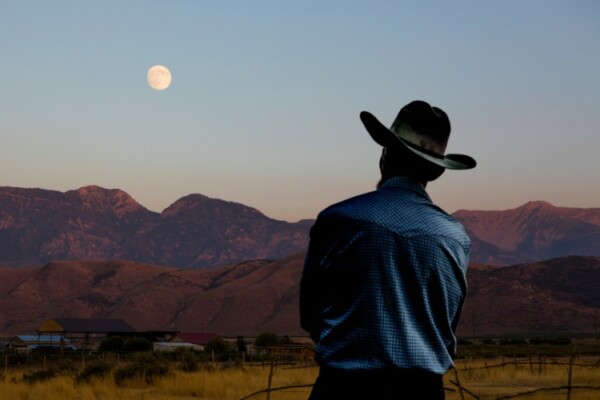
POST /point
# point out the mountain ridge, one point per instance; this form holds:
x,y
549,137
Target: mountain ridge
x,y
38,226
536,230
196,231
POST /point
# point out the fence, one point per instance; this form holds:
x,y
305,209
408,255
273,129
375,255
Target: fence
x,y
536,366
461,382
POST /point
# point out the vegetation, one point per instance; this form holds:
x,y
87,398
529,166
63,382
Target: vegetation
x,y
189,361
489,379
205,383
216,346
137,345
113,344
98,369
266,339
145,367
187,374
39,375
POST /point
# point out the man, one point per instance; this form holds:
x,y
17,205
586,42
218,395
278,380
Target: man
x,y
384,277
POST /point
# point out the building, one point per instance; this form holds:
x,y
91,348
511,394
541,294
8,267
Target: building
x,y
26,343
199,340
86,333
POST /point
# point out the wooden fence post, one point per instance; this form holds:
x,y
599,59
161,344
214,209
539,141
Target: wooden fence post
x,y
270,377
460,390
570,377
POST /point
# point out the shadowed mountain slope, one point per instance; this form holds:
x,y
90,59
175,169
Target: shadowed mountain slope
x,y
259,296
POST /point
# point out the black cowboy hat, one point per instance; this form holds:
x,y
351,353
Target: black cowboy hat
x,y
422,129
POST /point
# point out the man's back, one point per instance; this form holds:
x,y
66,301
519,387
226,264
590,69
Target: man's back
x,y
384,281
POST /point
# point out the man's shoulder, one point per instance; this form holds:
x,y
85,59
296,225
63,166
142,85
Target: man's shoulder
x,y
352,208
406,216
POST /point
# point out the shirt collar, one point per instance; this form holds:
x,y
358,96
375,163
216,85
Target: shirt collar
x,y
406,183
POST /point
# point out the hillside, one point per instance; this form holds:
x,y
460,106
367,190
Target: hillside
x,y
258,296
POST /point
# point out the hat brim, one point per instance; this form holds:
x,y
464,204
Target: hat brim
x,y
386,138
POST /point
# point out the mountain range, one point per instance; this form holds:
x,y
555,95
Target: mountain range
x,y
38,226
561,294
535,231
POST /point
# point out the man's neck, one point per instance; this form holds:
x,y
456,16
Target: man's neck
x,y
385,178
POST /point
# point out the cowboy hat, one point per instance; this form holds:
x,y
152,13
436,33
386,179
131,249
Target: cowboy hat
x,y
422,129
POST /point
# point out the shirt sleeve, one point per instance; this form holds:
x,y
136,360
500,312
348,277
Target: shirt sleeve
x,y
308,303
329,237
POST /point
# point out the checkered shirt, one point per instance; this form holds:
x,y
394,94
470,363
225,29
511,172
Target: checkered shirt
x,y
384,281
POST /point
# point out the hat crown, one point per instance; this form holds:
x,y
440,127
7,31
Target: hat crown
x,y
423,126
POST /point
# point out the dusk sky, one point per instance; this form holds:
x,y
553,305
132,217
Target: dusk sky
x,y
264,104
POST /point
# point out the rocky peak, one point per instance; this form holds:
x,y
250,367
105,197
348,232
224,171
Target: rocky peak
x,y
101,199
200,204
537,205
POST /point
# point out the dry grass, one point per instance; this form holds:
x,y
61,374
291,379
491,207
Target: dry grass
x,y
490,379
493,379
223,384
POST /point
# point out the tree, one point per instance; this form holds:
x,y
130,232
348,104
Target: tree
x,y
216,346
113,344
241,344
137,345
266,339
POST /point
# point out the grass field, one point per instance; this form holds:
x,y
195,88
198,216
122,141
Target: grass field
x,y
499,378
532,378
221,384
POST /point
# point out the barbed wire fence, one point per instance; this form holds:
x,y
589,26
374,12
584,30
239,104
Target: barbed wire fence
x,y
536,366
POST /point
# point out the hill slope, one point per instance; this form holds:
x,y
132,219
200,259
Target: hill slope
x,y
258,296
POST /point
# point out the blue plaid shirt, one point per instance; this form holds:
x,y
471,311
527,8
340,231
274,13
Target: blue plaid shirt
x,y
384,281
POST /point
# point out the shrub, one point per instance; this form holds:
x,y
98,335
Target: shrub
x,y
40,375
99,369
137,345
113,344
216,346
559,341
266,339
189,361
66,366
145,366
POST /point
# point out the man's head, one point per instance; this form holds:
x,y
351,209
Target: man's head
x,y
415,143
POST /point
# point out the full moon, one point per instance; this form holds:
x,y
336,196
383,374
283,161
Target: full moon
x,y
159,77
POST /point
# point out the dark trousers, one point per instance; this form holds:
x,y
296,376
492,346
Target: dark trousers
x,y
396,384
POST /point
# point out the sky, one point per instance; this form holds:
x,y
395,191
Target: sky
x,y
263,107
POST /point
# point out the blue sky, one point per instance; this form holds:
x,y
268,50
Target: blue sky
x,y
264,103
